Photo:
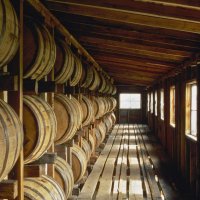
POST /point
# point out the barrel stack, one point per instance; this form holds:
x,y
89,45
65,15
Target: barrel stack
x,y
62,108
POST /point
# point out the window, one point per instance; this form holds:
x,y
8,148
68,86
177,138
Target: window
x,y
156,103
130,101
162,104
148,102
172,106
191,108
152,102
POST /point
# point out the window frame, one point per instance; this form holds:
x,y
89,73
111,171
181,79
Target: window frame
x,y
151,104
173,106
188,109
129,107
148,102
156,103
162,105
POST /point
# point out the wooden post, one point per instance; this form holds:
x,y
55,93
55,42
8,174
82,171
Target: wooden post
x,y
50,100
15,99
198,136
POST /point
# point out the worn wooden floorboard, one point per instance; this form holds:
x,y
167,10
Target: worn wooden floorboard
x,y
128,168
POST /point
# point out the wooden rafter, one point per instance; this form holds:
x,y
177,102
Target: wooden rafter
x,y
132,17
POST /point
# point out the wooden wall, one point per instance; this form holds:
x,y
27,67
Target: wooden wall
x,y
131,115
183,151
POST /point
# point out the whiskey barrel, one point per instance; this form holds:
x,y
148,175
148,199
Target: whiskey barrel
x,y
67,120
79,111
89,75
108,123
98,137
79,163
42,188
88,113
11,138
86,148
99,107
64,63
40,50
96,80
102,83
114,91
92,143
64,175
9,32
102,130
112,103
40,127
113,117
77,72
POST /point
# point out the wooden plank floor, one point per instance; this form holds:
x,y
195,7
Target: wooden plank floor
x,y
127,169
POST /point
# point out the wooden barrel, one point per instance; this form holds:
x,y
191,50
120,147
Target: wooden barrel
x,y
79,163
79,111
77,72
106,105
113,103
98,137
89,75
98,107
96,80
11,138
40,127
64,63
102,83
113,117
67,120
92,143
42,188
102,130
88,112
9,32
108,123
86,148
114,90
64,175
40,50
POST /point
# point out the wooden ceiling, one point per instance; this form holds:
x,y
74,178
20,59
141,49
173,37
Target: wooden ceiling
x,y
136,41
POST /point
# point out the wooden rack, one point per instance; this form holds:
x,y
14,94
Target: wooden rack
x,y
11,80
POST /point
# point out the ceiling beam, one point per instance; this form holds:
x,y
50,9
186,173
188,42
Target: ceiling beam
x,y
133,67
132,46
122,69
67,17
160,8
101,54
94,50
133,37
194,4
130,17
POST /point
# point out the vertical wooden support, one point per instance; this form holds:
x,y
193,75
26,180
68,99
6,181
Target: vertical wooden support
x,y
198,136
182,125
15,99
50,100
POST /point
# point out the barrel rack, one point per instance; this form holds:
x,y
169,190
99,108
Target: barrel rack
x,y
13,86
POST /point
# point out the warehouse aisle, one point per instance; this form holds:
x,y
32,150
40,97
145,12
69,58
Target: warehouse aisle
x,y
127,168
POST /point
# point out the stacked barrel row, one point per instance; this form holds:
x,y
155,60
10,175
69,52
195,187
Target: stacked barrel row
x,y
45,53
44,125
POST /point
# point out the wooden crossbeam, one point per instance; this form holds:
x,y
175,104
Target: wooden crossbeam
x,y
131,37
171,8
97,51
178,3
130,17
143,49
